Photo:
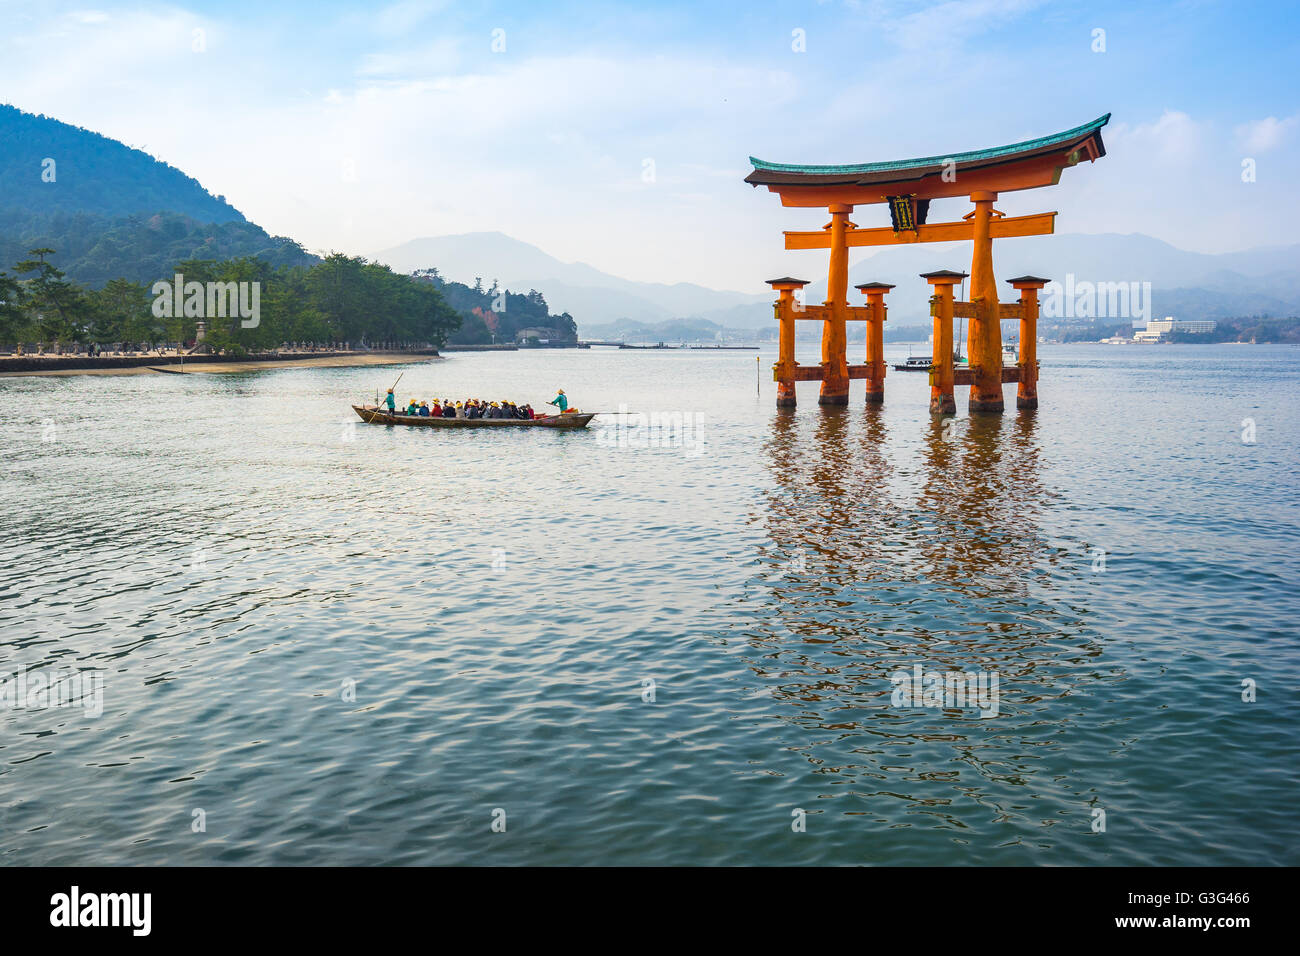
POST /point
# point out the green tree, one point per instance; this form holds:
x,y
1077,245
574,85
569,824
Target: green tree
x,y
13,312
57,305
122,312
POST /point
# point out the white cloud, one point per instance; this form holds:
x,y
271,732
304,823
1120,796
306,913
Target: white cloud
x,y
1259,136
946,24
1173,139
400,18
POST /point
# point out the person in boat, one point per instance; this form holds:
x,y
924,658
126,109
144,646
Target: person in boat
x,y
412,409
424,409
391,401
435,409
448,409
560,401
529,413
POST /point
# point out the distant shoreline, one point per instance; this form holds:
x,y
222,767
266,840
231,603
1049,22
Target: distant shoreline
x,y
59,365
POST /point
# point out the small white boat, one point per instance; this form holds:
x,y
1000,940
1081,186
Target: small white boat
x,y
1009,355
915,363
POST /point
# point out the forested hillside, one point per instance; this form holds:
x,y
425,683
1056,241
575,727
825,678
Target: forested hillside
x,y
94,249
339,299
492,314
47,166
87,225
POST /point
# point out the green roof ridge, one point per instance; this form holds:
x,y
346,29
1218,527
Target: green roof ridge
x,y
978,154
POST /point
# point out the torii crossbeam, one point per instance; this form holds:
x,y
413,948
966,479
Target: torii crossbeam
x,y
908,187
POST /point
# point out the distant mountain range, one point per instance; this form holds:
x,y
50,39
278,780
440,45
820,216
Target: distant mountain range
x,y
1186,284
586,293
111,210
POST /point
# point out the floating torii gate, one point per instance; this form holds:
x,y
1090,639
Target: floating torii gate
x,y
908,186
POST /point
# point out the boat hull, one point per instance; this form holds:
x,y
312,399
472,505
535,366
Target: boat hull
x,y
373,416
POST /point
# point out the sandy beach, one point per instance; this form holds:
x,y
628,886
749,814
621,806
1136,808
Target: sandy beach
x,y
169,365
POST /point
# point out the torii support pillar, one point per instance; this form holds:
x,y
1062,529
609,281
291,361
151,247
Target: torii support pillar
x,y
835,362
875,364
984,343
942,401
1028,286
784,370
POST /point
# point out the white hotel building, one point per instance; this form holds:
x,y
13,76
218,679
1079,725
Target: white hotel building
x,y
1157,329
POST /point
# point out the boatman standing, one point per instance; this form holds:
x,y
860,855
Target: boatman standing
x,y
392,402
560,402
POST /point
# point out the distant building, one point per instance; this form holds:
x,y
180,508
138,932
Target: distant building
x,y
1158,329
542,336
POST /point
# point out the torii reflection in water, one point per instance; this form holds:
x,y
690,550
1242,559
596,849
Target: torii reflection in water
x,y
894,546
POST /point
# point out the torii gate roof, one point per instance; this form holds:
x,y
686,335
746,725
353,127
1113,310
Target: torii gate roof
x,y
1035,162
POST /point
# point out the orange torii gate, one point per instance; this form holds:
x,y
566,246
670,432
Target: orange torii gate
x,y
908,186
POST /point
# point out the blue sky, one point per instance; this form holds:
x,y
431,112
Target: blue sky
x,y
618,134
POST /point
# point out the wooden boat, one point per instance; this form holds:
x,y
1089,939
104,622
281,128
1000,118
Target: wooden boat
x,y
373,415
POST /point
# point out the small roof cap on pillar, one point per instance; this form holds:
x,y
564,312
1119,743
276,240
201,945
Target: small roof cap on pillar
x,y
1028,280
874,285
786,280
944,276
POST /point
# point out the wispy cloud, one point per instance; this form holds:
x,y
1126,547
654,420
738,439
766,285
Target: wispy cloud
x,y
1259,136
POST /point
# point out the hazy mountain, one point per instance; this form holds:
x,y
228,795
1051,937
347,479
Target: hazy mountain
x,y
1188,284
588,294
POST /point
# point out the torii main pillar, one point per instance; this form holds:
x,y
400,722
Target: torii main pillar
x,y
984,339
835,363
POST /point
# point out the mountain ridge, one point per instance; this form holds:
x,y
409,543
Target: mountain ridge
x,y
48,166
1207,285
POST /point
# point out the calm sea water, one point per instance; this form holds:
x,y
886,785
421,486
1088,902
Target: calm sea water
x,y
326,642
